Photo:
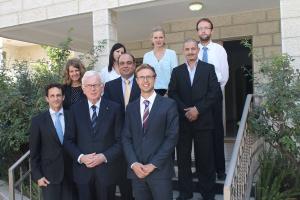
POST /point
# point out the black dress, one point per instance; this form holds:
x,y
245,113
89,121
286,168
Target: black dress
x,y
72,96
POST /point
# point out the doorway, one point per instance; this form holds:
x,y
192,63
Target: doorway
x,y
239,84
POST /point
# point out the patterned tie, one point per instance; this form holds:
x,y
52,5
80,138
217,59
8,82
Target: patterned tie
x,y
127,92
204,58
94,118
58,127
146,115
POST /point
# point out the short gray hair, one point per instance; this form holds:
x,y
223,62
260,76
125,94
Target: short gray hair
x,y
89,74
188,40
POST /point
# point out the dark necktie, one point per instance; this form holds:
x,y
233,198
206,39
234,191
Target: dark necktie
x,y
58,127
94,118
146,114
204,58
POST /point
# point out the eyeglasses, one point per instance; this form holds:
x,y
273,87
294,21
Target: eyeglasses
x,y
91,86
128,63
203,28
145,78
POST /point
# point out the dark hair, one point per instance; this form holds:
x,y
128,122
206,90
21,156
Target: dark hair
x,y
54,85
133,59
145,66
205,20
74,62
111,55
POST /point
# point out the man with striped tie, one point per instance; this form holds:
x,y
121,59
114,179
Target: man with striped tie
x,y
149,138
50,164
94,140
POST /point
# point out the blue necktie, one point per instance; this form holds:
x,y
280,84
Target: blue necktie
x,y
204,58
94,118
58,127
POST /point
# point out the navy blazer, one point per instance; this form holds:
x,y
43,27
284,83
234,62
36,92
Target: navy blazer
x,y
106,140
157,143
113,91
202,93
47,156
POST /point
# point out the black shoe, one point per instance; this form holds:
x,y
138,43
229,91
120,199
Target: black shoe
x,y
184,196
221,176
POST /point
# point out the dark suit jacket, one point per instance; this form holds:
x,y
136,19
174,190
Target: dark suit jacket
x,y
47,156
157,143
106,140
68,97
202,94
113,91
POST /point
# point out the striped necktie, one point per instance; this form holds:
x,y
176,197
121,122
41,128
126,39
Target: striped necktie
x,y
94,118
146,114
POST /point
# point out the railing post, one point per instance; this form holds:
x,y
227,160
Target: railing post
x,y
11,187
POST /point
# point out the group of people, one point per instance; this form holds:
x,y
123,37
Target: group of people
x,y
121,127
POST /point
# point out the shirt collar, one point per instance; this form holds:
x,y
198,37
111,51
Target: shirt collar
x,y
61,110
151,98
208,45
97,104
187,64
130,79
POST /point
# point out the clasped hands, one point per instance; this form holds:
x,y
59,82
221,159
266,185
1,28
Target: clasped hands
x,y
191,113
92,160
142,170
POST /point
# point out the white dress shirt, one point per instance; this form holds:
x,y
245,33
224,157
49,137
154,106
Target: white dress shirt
x,y
108,76
217,56
192,70
142,105
97,104
61,118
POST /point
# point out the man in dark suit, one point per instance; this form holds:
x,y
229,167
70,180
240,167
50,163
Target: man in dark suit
x,y
194,87
149,137
94,141
122,91
50,164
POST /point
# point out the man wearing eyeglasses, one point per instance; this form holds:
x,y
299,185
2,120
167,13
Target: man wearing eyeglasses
x,y
194,87
216,55
149,138
94,141
122,91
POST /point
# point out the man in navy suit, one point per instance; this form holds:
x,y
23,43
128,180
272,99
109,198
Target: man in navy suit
x,y
50,164
122,91
194,86
94,141
149,137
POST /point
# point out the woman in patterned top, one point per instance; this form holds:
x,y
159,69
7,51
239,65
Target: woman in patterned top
x,y
74,71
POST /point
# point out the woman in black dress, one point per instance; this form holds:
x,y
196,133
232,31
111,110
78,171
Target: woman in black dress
x,y
74,71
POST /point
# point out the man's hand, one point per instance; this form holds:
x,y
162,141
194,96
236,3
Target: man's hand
x,y
148,168
43,182
87,159
191,113
98,159
138,170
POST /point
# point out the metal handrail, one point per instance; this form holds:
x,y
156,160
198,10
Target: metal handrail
x,y
243,164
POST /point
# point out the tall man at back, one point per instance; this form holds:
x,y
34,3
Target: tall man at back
x,y
216,55
50,164
194,87
94,141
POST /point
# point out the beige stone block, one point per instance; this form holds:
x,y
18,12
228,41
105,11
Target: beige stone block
x,y
221,20
272,51
191,34
249,17
167,27
291,46
216,33
238,31
8,20
33,15
290,27
277,39
61,1
30,4
8,7
257,53
181,59
268,27
133,45
132,2
183,25
273,14
174,37
139,53
178,48
289,8
103,17
63,9
262,40
86,6
146,44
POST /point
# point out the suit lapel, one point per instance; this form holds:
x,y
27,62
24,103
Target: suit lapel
x,y
102,113
134,91
50,124
197,73
120,91
154,110
186,75
137,114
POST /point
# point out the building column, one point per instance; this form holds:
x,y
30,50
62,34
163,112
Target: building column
x,y
1,52
104,29
290,29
